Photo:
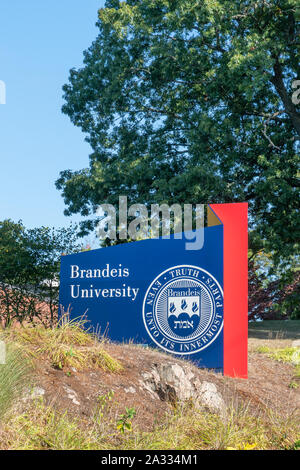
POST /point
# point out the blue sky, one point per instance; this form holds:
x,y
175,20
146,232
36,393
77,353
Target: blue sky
x,y
39,42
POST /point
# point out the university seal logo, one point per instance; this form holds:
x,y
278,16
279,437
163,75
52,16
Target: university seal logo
x,y
183,309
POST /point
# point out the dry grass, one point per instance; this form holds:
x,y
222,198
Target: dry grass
x,y
286,354
42,427
67,345
238,430
15,376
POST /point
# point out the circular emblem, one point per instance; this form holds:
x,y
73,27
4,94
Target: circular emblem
x,y
183,309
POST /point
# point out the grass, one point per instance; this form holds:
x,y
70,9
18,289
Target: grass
x,y
275,329
289,354
42,427
67,345
15,376
194,429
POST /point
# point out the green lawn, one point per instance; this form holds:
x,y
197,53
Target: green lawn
x,y
275,329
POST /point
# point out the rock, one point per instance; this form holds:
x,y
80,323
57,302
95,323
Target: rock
x,y
72,395
129,390
296,357
33,394
37,392
209,396
177,383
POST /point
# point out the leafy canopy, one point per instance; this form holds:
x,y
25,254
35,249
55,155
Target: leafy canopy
x,y
191,101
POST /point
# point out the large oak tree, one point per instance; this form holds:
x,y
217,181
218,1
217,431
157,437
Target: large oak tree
x,y
191,101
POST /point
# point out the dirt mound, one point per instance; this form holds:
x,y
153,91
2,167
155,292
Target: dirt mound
x,y
151,382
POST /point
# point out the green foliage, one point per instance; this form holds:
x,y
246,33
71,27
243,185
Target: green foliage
x,y
102,405
296,445
190,101
293,385
288,354
15,376
29,270
125,423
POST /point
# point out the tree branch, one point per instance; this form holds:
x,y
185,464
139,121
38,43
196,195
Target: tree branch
x,y
265,129
289,107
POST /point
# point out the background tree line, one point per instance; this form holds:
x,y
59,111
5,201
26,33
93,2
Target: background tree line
x,y
29,271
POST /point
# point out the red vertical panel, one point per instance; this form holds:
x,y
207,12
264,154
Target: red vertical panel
x,y
235,222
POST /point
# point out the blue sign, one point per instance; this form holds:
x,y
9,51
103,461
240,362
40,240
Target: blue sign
x,y
152,292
